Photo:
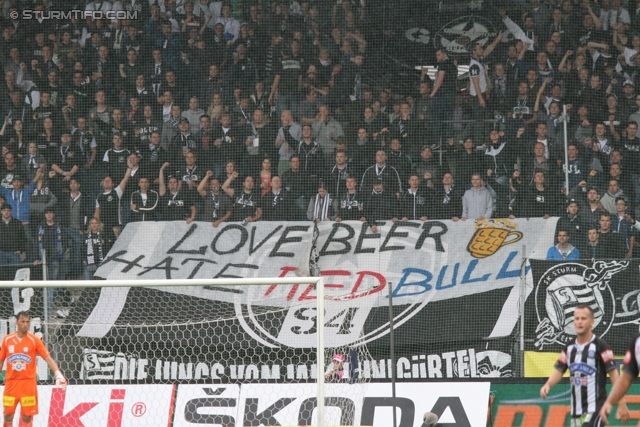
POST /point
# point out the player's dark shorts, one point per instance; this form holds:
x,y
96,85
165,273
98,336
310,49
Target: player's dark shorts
x,y
587,420
25,393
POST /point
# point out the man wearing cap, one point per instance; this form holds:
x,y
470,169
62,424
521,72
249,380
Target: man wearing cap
x,y
13,241
337,370
19,196
628,99
52,241
183,142
10,168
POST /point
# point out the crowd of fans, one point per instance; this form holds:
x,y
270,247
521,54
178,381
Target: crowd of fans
x,y
194,111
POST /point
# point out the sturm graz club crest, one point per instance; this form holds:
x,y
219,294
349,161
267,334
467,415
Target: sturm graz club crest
x,y
459,35
566,286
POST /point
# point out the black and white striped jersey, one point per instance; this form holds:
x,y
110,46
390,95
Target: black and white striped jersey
x,y
631,358
588,365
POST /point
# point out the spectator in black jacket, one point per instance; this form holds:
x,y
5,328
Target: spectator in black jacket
x,y
446,202
311,157
144,202
277,204
336,178
13,241
380,205
74,209
382,171
464,160
228,141
499,158
398,158
427,168
614,246
594,248
298,184
153,156
540,201
351,206
414,202
574,224
95,248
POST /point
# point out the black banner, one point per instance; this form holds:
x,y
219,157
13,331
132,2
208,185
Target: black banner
x,y
609,287
180,337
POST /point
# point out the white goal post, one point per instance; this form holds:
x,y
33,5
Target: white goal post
x,y
319,295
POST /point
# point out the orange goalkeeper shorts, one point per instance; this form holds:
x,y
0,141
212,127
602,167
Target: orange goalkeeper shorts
x,y
24,392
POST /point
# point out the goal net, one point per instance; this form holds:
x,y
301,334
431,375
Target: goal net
x,y
228,352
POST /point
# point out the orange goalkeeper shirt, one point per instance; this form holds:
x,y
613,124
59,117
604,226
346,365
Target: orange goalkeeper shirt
x,y
20,355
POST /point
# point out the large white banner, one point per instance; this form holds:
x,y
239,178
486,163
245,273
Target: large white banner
x,y
417,256
104,406
459,404
426,262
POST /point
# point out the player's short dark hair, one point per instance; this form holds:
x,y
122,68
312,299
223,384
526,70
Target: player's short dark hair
x,y
588,308
23,314
562,230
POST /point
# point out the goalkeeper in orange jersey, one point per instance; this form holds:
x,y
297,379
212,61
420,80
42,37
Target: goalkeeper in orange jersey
x,y
20,349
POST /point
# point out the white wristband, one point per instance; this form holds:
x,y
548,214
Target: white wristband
x,y
58,375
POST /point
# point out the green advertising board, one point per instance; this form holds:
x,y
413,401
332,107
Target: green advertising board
x,y
520,405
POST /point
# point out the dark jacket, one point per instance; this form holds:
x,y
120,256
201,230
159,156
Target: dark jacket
x,y
12,237
413,206
380,206
277,207
144,212
63,207
446,206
